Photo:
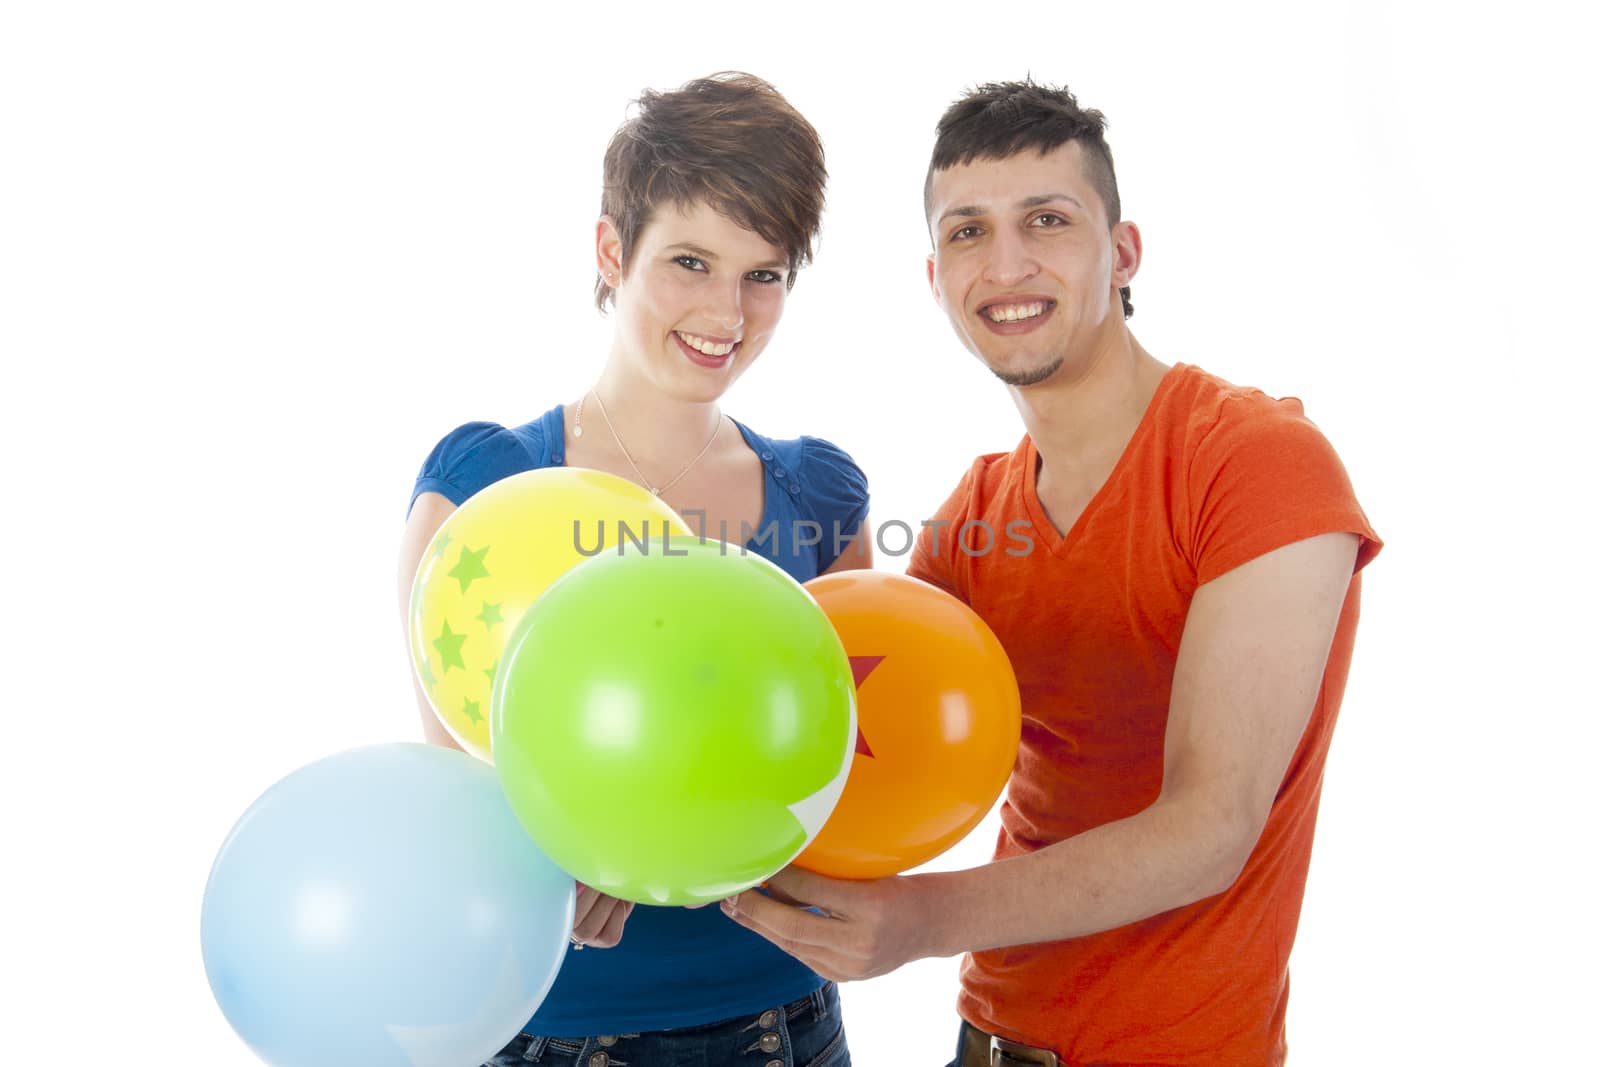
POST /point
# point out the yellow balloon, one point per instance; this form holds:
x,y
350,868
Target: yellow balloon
x,y
493,557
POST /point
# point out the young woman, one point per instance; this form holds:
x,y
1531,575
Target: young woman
x,y
712,198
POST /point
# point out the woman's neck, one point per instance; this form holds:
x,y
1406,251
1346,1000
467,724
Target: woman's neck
x,y
660,432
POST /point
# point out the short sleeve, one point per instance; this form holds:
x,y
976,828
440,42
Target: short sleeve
x,y
836,491
934,557
474,456
1265,477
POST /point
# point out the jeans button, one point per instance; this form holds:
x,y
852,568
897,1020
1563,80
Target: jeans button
x,y
770,1042
606,1041
774,1063
768,1019
599,1059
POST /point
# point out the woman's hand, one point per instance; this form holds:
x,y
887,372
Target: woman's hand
x,y
598,918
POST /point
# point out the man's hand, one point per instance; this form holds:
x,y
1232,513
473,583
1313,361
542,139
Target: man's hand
x,y
866,929
598,919
1255,646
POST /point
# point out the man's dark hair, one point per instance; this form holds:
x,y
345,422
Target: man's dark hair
x,y
1003,119
730,141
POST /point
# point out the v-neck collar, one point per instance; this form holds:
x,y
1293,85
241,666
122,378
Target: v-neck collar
x,y
1061,543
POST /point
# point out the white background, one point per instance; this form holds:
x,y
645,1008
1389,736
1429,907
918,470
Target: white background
x,y
258,258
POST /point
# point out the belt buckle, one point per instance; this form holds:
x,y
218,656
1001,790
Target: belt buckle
x,y
1003,1053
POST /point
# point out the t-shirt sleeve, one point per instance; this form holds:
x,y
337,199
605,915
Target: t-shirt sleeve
x,y
469,458
935,557
837,491
1265,478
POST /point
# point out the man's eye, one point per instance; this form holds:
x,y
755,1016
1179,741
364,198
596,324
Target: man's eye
x,y
1049,218
965,233
691,262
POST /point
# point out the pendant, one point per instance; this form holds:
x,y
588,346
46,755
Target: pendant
x,y
654,491
577,431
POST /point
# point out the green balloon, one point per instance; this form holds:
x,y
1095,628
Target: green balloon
x,y
673,724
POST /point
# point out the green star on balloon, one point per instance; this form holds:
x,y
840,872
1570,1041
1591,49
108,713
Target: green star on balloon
x,y
444,543
489,671
469,568
490,615
425,672
449,646
470,710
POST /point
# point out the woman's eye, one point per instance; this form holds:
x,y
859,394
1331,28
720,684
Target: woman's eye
x,y
691,262
765,277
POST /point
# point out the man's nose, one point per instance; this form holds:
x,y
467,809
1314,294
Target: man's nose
x,y
1010,261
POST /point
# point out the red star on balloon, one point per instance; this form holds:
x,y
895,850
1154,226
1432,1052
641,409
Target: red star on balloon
x,y
860,667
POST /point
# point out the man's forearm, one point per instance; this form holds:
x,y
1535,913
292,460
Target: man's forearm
x,y
1171,854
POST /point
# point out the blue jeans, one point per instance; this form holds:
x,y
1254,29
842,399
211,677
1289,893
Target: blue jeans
x,y
806,1033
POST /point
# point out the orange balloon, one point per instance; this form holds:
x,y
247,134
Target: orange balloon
x,y
938,720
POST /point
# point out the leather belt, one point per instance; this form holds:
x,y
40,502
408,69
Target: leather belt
x,y
979,1049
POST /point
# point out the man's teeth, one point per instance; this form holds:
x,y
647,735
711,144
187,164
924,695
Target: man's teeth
x,y
701,345
1015,312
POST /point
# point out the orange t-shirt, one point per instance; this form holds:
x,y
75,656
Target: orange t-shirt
x,y
1214,476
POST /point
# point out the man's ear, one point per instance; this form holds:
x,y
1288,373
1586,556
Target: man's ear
x,y
1127,251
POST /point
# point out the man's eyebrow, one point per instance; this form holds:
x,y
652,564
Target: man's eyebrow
x,y
1045,198
972,211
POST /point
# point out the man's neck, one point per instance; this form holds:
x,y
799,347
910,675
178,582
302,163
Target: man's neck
x,y
1083,416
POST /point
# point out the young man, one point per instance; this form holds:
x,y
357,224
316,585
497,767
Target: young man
x,y
1181,630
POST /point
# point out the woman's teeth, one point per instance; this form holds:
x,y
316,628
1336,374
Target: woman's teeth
x,y
704,347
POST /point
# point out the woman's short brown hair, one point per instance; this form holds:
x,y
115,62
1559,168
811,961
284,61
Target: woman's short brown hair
x,y
730,141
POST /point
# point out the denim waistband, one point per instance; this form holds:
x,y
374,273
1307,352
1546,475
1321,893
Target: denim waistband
x,y
815,1002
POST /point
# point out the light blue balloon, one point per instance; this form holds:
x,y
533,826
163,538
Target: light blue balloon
x,y
383,907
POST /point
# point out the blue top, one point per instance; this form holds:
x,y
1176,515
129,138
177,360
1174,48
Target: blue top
x,y
675,966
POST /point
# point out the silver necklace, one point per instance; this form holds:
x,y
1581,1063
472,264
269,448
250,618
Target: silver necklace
x,y
577,431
